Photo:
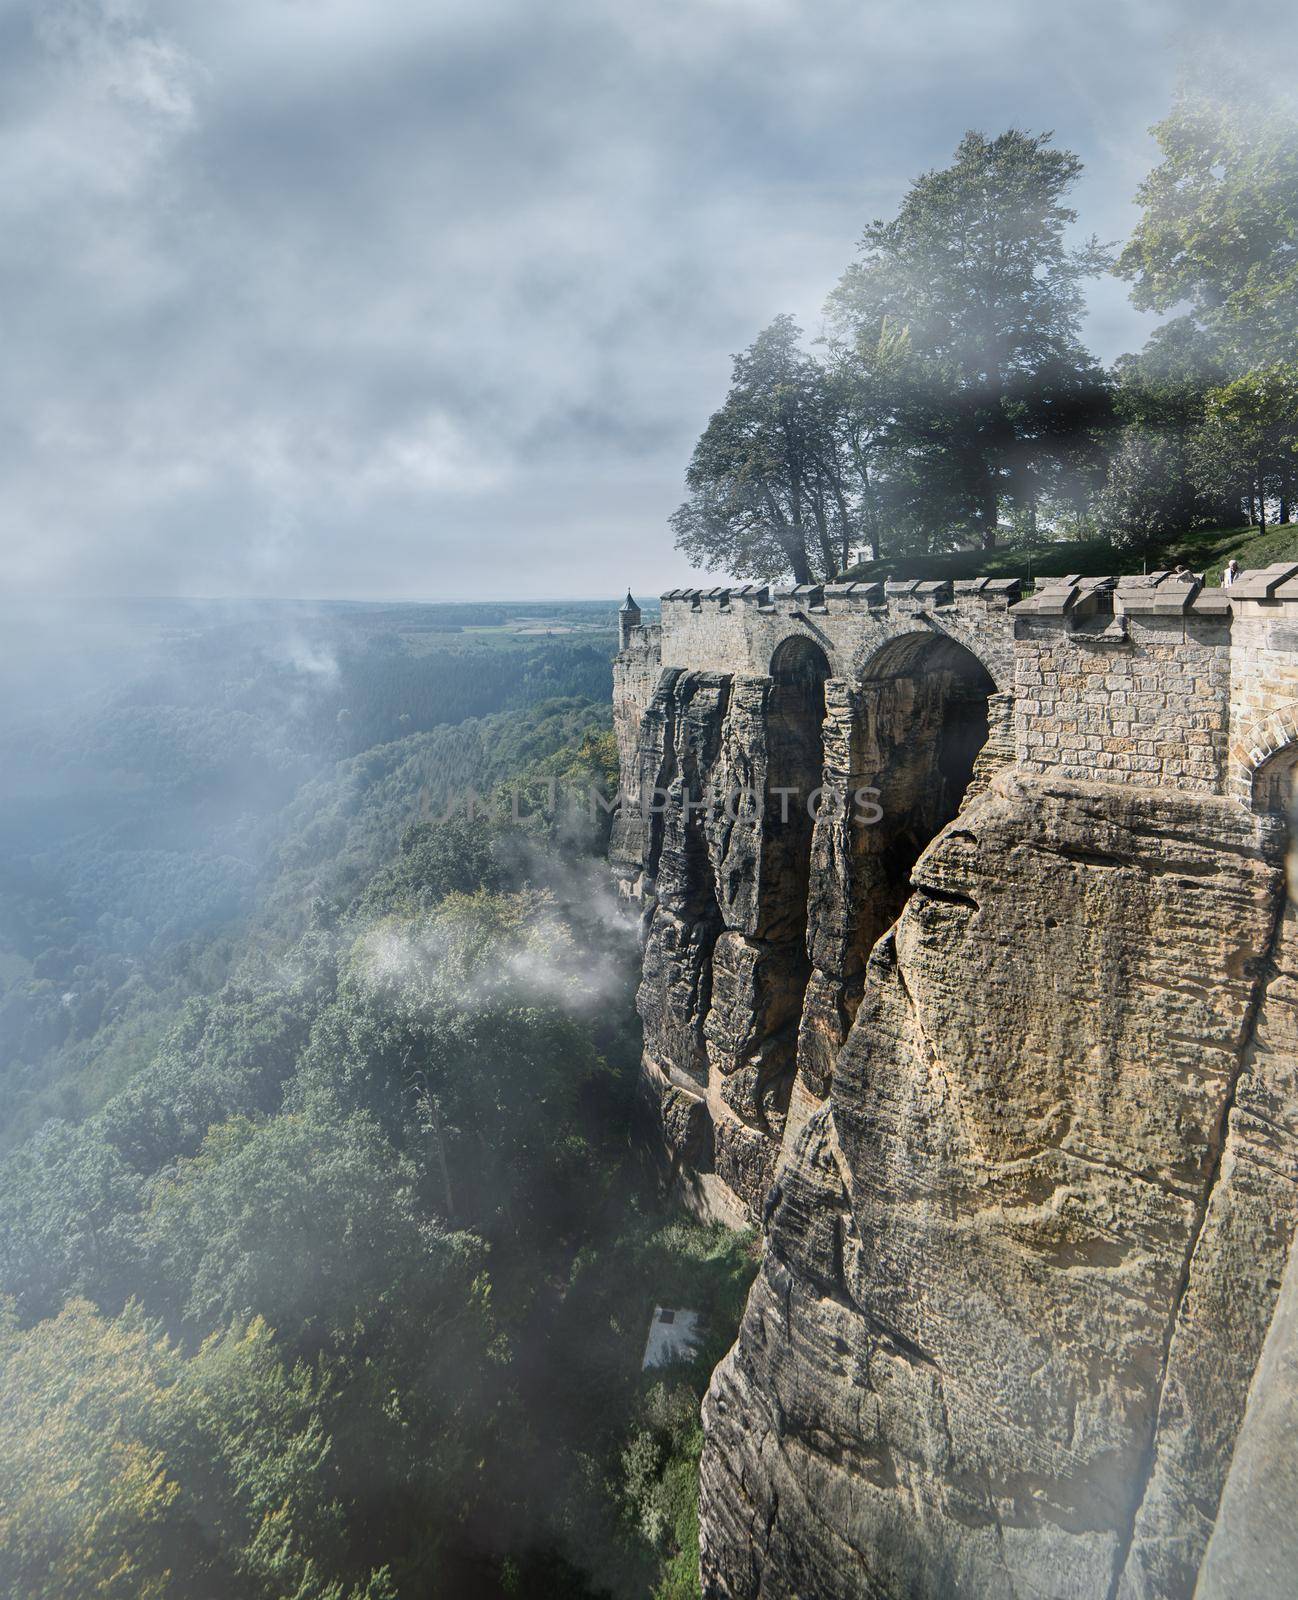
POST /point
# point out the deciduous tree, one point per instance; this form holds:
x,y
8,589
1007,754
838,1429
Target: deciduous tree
x,y
975,267
767,489
1220,223
1249,437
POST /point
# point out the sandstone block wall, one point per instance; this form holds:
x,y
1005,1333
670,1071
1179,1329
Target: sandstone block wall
x,y
1153,704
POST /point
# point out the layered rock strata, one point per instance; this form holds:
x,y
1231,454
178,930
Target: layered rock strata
x,y
1017,1270
1009,1075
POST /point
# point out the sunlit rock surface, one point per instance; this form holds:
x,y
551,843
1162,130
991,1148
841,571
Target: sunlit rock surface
x,y
1019,1268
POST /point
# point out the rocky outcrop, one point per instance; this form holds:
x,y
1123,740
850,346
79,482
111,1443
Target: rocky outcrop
x,y
1019,1266
1230,1293
767,879
725,961
1254,1546
1009,1073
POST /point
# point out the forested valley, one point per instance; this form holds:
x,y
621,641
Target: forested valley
x,y
327,1252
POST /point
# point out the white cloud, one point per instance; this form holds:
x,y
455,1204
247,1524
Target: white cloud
x,y
319,297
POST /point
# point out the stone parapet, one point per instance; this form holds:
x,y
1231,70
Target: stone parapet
x,y
1149,679
1160,680
739,628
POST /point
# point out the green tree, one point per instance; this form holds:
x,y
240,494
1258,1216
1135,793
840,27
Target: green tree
x,y
1144,501
473,1022
310,1221
1248,440
437,857
1153,490
67,1220
1220,224
1165,387
228,1054
881,438
131,1472
767,492
999,387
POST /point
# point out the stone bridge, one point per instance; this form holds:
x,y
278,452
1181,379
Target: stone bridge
x,y
788,755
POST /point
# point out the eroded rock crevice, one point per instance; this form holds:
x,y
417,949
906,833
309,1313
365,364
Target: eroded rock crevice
x,y
1230,1287
1028,1158
900,753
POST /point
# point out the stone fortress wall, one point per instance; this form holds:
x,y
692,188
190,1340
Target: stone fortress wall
x,y
1151,681
1009,1075
1149,678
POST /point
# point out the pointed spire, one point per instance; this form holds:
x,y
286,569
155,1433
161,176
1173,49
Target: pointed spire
x,y
629,604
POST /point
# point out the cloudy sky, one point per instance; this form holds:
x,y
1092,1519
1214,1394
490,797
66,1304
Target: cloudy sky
x,y
378,298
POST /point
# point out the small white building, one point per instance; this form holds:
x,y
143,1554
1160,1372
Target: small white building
x,y
674,1335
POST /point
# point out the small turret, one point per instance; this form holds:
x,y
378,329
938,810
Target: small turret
x,y
628,617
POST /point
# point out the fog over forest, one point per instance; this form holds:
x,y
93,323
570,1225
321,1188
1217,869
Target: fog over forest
x,y
364,1089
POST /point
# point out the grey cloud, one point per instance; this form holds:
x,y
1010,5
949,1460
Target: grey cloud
x,y
336,299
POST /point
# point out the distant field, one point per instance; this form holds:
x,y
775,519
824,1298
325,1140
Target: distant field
x,y
508,635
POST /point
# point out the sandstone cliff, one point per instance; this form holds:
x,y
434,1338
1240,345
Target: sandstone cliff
x,y
1017,1270
1009,1077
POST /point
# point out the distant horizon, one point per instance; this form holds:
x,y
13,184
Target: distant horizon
x,y
612,599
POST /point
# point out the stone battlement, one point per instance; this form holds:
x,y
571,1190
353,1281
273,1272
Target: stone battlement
x,y
1151,679
826,597
738,629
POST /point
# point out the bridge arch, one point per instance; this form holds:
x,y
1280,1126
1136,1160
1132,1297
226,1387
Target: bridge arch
x,y
917,717
931,693
925,650
798,658
1265,762
905,649
795,719
1273,782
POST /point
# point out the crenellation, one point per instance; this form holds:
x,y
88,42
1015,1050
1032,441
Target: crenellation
x,y
1116,659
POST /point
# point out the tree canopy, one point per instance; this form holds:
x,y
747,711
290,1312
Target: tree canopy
x,y
976,268
1219,229
766,483
955,387
953,401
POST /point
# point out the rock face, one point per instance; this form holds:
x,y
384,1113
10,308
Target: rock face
x,y
1254,1547
768,879
1006,1067
1003,1264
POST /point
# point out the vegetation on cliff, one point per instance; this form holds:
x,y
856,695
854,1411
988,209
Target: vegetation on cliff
x,y
1205,550
333,1276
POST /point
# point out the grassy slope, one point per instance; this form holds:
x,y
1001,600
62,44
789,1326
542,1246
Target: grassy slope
x,y
1206,551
